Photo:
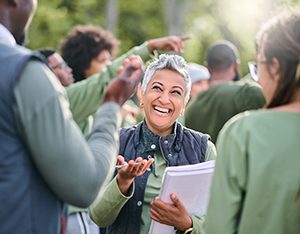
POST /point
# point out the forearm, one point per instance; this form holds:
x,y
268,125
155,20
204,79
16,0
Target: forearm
x,y
85,96
108,204
141,50
72,169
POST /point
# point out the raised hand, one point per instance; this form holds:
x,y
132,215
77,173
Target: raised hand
x,y
124,86
170,43
174,214
130,170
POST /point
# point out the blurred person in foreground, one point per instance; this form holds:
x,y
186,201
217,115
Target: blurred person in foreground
x,y
41,146
124,206
256,187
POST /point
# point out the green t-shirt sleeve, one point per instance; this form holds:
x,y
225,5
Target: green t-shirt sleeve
x,y
229,180
108,204
74,169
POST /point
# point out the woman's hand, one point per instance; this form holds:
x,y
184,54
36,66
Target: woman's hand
x,y
174,214
131,169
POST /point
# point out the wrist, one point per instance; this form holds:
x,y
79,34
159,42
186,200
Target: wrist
x,y
150,46
124,184
188,228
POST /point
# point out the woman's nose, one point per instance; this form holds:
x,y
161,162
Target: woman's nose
x,y
164,98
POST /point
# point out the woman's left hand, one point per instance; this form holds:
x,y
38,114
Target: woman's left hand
x,y
174,214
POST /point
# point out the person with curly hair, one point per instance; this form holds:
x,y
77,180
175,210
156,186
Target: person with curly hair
x,y
87,49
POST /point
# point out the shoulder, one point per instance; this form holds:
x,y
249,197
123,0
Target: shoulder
x,y
130,134
244,122
250,91
190,134
124,132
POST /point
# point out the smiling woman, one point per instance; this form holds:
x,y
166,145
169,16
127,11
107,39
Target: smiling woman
x,y
129,201
166,90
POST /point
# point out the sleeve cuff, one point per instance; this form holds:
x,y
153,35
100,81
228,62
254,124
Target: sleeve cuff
x,y
119,195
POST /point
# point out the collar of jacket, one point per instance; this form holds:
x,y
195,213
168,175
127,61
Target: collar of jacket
x,y
145,138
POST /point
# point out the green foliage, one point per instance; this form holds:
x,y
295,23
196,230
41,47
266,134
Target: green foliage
x,y
55,18
139,22
206,21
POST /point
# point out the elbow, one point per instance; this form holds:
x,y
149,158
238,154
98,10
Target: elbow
x,y
82,200
83,197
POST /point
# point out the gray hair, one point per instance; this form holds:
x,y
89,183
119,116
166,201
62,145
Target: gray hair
x,y
172,62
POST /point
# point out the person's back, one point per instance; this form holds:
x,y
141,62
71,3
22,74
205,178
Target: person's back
x,y
255,188
32,187
209,111
271,205
41,146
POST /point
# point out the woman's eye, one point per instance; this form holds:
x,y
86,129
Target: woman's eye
x,y
156,88
176,92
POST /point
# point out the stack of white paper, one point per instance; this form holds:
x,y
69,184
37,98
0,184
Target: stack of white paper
x,y
191,184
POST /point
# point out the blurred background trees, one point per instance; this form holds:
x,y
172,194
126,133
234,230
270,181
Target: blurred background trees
x,y
133,22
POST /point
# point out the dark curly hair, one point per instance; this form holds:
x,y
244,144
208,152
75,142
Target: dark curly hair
x,y
84,43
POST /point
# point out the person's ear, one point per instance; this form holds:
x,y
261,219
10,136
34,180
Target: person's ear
x,y
181,113
275,69
236,67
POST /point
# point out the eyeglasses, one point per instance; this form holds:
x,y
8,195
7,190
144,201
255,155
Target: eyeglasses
x,y
253,70
61,65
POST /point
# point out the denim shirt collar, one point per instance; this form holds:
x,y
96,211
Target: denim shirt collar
x,y
149,142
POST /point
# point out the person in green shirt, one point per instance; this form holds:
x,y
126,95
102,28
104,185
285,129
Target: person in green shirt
x,y
256,184
210,110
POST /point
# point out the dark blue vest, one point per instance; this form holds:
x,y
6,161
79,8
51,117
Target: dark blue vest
x,y
188,147
27,203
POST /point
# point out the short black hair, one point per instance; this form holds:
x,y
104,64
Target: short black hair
x,y
222,55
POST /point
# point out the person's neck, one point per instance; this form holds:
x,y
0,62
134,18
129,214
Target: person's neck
x,y
159,132
290,107
219,77
293,106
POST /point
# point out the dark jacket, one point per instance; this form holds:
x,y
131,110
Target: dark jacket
x,y
184,147
27,203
